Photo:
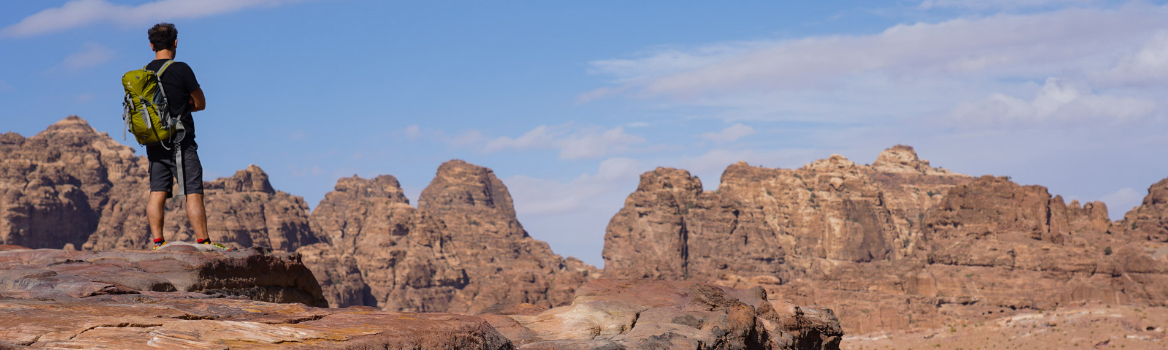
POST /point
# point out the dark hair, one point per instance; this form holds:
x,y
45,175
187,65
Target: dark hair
x,y
162,36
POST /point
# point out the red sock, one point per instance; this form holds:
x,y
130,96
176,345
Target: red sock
x,y
205,241
159,241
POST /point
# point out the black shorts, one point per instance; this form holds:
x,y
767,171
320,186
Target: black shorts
x,y
163,168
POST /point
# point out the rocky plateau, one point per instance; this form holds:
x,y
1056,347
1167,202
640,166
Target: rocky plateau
x,y
897,246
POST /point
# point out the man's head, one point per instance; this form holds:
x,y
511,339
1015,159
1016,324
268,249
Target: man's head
x,y
163,36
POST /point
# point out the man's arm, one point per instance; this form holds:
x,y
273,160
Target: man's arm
x,y
198,102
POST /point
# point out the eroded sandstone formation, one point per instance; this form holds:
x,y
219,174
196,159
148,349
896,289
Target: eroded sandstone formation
x,y
72,185
462,250
242,210
63,275
1148,221
191,300
888,245
651,314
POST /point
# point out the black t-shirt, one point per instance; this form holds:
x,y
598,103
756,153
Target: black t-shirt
x,y
178,82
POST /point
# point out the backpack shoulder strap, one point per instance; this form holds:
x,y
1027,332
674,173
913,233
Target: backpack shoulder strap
x,y
164,66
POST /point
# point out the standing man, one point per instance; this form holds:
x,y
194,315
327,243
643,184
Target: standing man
x,y
183,96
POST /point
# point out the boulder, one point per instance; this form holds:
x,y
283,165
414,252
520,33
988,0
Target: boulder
x,y
654,314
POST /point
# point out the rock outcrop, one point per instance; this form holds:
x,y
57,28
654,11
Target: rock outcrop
x,y
462,250
242,210
56,187
886,246
62,275
72,185
647,314
237,300
1149,221
832,209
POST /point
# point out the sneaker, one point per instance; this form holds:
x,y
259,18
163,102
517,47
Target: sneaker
x,y
159,246
220,247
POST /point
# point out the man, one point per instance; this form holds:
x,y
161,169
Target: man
x,y
183,96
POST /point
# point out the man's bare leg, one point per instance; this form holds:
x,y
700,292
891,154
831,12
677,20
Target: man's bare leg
x,y
197,214
156,213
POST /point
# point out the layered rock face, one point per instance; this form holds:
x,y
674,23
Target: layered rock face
x,y
829,209
461,251
189,300
53,274
888,245
58,186
649,314
242,210
72,185
1149,221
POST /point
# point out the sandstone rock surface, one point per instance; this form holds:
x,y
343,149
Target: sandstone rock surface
x,y
1148,221
887,246
191,300
72,185
53,274
648,314
462,250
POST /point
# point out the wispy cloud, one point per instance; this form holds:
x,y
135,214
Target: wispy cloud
x,y
573,142
998,4
4,87
729,134
91,55
1057,101
541,197
80,13
1148,66
996,46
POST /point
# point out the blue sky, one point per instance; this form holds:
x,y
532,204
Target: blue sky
x,y
569,102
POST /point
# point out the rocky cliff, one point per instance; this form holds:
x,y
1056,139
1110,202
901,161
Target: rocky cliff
x,y
887,245
1148,221
72,185
462,250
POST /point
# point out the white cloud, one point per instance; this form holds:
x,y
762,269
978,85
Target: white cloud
x,y
1122,201
996,4
1147,66
1056,101
596,143
729,134
4,87
413,132
535,196
540,137
573,142
994,47
82,98
91,55
79,13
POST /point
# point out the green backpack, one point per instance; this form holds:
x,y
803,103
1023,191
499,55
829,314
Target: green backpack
x,y
146,113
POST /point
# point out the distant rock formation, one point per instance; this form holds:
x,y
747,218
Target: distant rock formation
x,y
884,244
461,251
242,209
1148,221
72,185
56,187
831,209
